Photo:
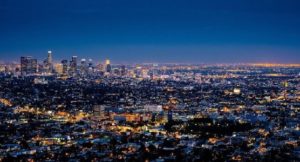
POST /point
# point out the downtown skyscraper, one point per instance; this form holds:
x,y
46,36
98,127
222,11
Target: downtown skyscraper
x,y
28,65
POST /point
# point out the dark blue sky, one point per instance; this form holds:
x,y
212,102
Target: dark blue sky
x,y
195,31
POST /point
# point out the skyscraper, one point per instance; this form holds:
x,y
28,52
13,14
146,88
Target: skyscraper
x,y
123,70
90,63
59,68
90,66
50,61
47,64
24,63
73,65
83,66
65,66
33,66
28,65
49,58
107,66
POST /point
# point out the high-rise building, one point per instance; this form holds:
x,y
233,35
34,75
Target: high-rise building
x,y
123,70
47,64
59,68
90,66
28,65
107,66
64,66
49,58
24,63
154,71
33,66
73,65
83,66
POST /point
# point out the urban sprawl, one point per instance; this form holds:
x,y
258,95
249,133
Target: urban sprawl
x,y
76,110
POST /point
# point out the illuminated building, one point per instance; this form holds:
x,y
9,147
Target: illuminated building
x,y
123,70
65,66
138,71
237,91
100,67
153,108
49,60
107,66
83,66
28,65
24,64
2,68
90,66
59,68
99,112
127,117
73,65
40,81
144,73
48,66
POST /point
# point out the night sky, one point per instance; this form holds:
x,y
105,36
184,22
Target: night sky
x,y
172,31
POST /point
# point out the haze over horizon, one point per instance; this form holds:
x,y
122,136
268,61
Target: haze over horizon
x,y
171,31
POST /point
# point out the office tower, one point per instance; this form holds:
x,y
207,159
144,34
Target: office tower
x,y
33,66
59,68
28,65
123,70
73,65
45,66
40,68
24,63
64,66
49,58
90,63
90,66
108,66
83,66
48,66
154,71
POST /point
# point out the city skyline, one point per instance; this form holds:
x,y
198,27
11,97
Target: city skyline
x,y
149,80
168,31
41,58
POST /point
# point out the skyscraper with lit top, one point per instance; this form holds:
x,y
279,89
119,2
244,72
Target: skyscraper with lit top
x,y
108,66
